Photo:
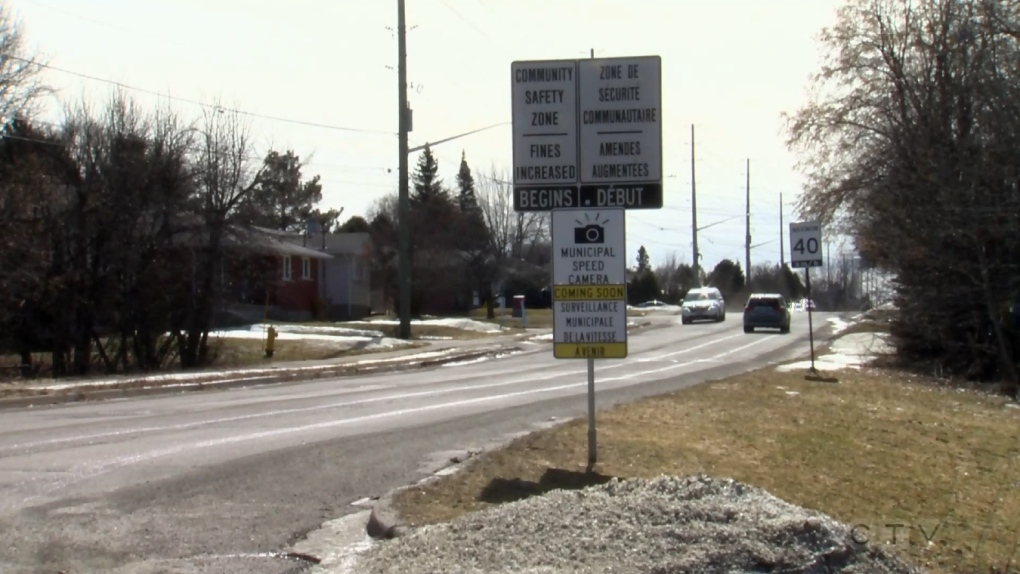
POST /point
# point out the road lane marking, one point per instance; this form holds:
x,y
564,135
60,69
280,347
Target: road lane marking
x,y
81,473
360,402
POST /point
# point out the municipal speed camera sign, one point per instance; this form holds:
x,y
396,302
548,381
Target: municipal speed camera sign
x,y
806,244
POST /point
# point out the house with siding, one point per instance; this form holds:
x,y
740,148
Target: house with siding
x,y
346,277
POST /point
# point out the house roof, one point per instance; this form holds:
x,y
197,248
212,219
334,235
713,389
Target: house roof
x,y
272,241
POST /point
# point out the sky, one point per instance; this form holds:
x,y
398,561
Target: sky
x,y
319,77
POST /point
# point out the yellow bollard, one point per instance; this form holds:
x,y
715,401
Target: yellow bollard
x,y
270,342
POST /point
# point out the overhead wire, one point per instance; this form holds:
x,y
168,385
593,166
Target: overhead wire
x,y
213,107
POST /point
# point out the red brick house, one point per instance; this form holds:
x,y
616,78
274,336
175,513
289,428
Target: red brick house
x,y
267,268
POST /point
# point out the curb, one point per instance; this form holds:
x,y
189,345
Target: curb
x,y
384,521
84,394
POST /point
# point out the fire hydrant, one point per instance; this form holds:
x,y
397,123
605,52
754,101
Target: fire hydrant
x,y
270,341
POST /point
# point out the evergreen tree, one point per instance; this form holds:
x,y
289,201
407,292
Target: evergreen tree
x,y
644,263
428,187
466,199
280,198
356,224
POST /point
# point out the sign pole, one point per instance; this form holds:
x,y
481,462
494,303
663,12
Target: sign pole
x,y
592,443
592,453
587,146
810,325
805,251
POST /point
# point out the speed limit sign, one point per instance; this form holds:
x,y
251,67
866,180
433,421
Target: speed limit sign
x,y
806,244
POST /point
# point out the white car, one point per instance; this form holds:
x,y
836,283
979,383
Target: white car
x,y
703,303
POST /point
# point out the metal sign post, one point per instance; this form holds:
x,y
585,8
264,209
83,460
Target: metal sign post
x,y
806,252
589,292
587,146
811,327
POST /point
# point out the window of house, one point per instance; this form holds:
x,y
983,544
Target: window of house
x,y
286,268
306,268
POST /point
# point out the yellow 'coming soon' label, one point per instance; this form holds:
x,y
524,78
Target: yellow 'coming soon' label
x,y
590,350
589,292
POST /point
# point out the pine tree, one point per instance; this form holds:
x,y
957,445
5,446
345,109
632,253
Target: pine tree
x,y
473,229
644,263
466,199
428,187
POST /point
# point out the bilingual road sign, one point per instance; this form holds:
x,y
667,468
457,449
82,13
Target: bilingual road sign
x,y
587,133
589,283
805,244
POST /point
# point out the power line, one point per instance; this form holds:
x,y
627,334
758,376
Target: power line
x,y
472,25
216,108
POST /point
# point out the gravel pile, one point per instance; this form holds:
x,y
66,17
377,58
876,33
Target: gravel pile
x,y
691,525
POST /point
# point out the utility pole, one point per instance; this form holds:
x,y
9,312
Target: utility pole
x,y
694,214
403,200
747,226
782,244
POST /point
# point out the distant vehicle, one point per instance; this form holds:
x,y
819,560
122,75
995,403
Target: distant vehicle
x,y
767,310
703,303
652,303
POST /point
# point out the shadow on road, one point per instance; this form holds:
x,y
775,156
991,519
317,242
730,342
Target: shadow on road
x,y
503,490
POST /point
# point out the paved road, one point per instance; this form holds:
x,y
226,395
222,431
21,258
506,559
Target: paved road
x,y
220,481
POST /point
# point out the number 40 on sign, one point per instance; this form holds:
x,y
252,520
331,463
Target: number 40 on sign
x,y
806,244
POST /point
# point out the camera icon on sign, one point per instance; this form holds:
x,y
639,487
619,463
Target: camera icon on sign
x,y
591,233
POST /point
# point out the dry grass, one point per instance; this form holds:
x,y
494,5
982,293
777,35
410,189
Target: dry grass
x,y
876,447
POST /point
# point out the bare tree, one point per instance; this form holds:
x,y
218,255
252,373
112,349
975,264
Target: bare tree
x,y
911,145
20,84
513,232
226,176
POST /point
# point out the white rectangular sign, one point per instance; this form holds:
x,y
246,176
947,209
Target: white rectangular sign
x,y
620,108
805,244
545,122
589,283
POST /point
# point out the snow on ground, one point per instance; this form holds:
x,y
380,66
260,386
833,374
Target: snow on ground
x,y
320,332
663,307
365,340
452,322
478,360
187,378
839,325
850,351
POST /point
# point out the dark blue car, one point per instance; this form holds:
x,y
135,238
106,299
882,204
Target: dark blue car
x,y
766,310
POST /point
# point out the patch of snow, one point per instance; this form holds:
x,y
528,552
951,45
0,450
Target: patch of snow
x,y
408,358
672,308
436,338
463,324
838,325
543,337
304,332
233,373
479,359
467,362
862,344
850,351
